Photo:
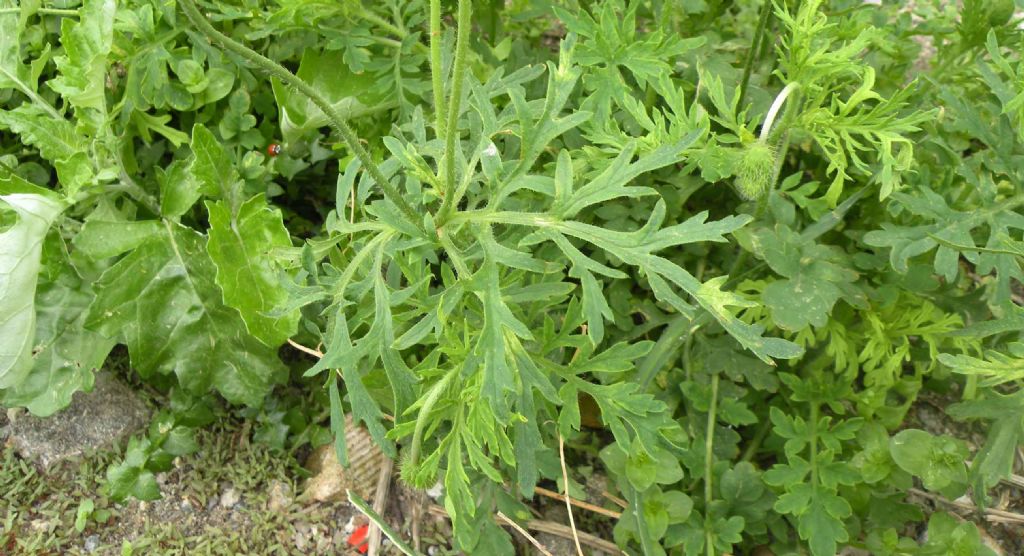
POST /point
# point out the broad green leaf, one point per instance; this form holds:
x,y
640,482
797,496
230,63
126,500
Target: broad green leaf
x,y
65,353
351,94
102,239
83,67
178,192
241,248
11,65
20,252
130,477
816,277
212,173
163,302
952,536
937,460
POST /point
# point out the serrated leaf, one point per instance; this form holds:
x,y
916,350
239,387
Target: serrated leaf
x,y
816,277
211,170
240,245
57,141
163,302
20,252
83,67
995,460
491,352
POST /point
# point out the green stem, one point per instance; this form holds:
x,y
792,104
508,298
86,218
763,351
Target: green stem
x,y
671,339
755,443
793,89
454,255
455,102
380,21
424,414
709,460
274,69
42,11
814,443
755,47
638,518
741,259
435,66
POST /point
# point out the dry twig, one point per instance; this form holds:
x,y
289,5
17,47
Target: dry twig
x,y
991,514
314,352
543,550
578,503
380,497
551,527
565,483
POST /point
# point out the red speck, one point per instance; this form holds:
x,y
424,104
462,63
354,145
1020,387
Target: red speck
x,y
358,539
273,149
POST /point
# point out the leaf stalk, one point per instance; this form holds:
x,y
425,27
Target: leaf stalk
x,y
338,123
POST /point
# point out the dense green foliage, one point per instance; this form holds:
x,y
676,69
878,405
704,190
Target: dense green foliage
x,y
750,235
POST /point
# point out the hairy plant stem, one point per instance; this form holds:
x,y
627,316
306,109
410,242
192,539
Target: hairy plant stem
x,y
424,413
709,461
338,123
451,129
780,154
755,48
437,80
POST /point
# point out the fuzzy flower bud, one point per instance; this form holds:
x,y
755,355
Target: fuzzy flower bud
x,y
756,170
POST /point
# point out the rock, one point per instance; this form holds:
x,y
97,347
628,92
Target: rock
x,y
280,496
330,480
93,421
92,542
557,546
230,498
301,536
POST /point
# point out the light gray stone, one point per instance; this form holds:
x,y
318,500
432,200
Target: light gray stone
x,y
230,498
280,496
94,420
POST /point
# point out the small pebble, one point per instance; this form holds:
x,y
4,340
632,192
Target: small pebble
x,y
229,498
91,543
280,496
436,491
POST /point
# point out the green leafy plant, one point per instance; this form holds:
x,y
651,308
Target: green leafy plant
x,y
718,251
